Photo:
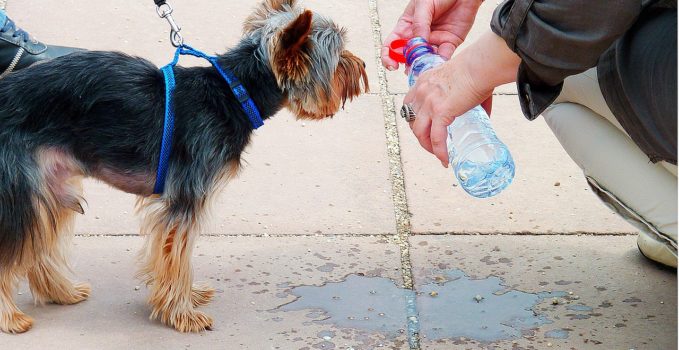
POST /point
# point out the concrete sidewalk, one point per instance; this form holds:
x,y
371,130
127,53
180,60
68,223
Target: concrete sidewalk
x,y
345,234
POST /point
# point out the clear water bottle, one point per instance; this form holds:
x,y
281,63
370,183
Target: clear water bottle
x,y
482,163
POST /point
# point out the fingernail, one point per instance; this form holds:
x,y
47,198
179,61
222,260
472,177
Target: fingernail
x,y
391,68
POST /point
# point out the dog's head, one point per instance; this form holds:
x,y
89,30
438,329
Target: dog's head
x,y
307,56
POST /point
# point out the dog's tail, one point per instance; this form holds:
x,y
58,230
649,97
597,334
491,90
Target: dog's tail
x,y
18,196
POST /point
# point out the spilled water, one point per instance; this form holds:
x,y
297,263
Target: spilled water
x,y
480,309
456,306
370,303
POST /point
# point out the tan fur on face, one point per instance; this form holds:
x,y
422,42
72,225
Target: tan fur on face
x,y
349,76
349,81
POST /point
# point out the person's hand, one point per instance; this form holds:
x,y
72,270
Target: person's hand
x,y
438,97
453,88
443,23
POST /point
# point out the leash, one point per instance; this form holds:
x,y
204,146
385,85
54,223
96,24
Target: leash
x,y
247,104
164,10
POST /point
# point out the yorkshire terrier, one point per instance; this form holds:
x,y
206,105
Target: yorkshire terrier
x,y
100,115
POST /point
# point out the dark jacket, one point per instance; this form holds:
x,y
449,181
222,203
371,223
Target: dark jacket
x,y
633,44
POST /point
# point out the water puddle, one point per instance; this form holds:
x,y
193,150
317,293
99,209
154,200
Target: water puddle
x,y
480,309
370,303
452,306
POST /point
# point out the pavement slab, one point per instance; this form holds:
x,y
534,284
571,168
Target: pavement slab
x,y
254,277
549,193
607,295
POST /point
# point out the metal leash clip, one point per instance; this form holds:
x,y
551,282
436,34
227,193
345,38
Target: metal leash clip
x,y
164,10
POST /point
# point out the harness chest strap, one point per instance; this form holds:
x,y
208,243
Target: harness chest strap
x,y
239,91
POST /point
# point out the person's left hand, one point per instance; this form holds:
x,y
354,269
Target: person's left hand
x,y
438,97
453,88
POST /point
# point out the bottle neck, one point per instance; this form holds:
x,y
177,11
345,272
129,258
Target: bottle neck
x,y
416,48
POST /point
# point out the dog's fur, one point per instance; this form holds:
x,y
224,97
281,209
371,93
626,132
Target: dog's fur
x,y
100,115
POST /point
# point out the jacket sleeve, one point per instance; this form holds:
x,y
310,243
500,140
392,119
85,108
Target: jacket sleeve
x,y
558,38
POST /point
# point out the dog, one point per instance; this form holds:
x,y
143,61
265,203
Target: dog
x,y
100,115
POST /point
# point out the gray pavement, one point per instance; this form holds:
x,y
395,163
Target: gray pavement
x,y
329,216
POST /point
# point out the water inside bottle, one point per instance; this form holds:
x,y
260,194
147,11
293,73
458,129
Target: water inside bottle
x,y
486,170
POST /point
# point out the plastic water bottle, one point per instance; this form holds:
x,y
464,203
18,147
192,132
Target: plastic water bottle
x,y
482,163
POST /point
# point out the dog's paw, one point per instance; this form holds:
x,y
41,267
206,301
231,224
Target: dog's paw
x,y
80,292
194,321
201,295
16,322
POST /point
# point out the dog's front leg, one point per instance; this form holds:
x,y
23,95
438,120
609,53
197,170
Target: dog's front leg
x,y
172,231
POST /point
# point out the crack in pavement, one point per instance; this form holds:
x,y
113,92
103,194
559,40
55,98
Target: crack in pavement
x,y
403,227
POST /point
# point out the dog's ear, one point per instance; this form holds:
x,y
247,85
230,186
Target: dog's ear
x,y
290,58
295,36
264,10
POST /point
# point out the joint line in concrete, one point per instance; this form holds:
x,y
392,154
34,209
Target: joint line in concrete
x,y
401,212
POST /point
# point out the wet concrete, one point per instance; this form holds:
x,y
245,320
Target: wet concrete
x,y
484,310
557,334
480,309
579,307
615,298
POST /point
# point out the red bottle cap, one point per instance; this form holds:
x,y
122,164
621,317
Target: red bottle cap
x,y
396,50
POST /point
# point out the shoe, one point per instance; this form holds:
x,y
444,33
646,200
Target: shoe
x,y
19,50
659,249
653,244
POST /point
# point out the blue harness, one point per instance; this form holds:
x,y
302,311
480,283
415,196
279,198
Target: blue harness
x,y
237,88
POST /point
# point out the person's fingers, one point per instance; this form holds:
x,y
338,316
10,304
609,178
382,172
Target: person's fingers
x,y
440,36
421,128
438,136
402,30
422,18
409,98
387,61
447,42
446,50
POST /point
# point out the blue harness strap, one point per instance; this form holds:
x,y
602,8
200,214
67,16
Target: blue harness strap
x,y
168,129
239,91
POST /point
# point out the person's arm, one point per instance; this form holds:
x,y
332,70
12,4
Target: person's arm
x,y
546,40
457,86
556,39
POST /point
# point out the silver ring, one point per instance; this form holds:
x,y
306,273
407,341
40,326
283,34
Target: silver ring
x,y
408,113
